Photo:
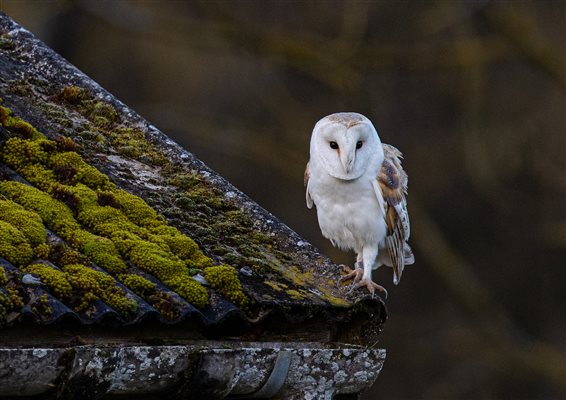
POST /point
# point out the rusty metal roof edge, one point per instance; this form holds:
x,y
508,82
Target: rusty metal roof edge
x,y
212,370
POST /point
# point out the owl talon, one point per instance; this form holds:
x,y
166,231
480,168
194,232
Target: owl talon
x,y
371,286
355,274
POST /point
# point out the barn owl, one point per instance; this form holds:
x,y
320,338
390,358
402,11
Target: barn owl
x,y
359,187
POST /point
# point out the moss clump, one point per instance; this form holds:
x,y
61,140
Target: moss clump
x,y
295,295
56,215
138,284
65,143
74,94
38,175
42,306
166,306
71,256
39,162
132,143
10,300
27,222
101,114
276,285
137,210
94,284
19,153
168,268
100,250
14,246
53,278
41,251
224,279
17,125
188,288
3,277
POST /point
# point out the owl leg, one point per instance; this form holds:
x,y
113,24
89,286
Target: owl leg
x,y
369,255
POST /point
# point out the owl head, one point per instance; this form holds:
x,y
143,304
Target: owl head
x,y
346,145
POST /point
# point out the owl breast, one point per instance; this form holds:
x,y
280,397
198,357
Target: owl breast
x,y
348,211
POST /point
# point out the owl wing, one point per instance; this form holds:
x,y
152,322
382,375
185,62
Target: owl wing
x,y
306,181
392,181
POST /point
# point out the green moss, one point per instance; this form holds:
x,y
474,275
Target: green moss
x,y
67,144
38,175
295,295
131,142
56,215
224,279
100,250
67,159
53,278
42,306
93,178
27,222
138,284
182,246
3,277
41,251
137,210
17,125
71,166
165,305
14,246
10,300
71,256
74,94
188,288
96,216
78,197
155,259
101,114
18,153
94,284
276,285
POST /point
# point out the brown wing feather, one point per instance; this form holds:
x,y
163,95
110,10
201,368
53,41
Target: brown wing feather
x,y
393,183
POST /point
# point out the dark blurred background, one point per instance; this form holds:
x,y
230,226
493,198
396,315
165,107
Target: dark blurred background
x,y
472,92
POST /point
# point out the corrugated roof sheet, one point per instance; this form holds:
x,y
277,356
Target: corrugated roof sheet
x,y
129,217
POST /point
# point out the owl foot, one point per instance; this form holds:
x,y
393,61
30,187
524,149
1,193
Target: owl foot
x,y
371,286
355,273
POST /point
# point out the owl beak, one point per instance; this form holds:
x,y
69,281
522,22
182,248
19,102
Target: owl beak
x,y
347,161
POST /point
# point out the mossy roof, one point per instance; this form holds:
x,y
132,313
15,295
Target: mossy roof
x,y
103,216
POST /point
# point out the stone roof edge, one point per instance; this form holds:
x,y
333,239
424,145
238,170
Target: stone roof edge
x,y
212,370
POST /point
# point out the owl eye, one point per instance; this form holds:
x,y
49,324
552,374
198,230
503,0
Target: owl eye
x,y
359,144
334,145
